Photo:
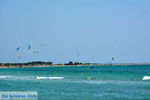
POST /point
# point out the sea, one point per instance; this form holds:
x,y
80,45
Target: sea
x,y
112,82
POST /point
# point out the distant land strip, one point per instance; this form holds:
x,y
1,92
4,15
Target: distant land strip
x,y
70,63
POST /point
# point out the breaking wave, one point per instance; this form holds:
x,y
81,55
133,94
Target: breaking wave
x,y
146,78
55,78
29,77
4,76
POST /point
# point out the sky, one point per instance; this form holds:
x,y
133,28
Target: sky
x,y
98,29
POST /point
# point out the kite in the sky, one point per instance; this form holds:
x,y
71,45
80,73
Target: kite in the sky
x,y
28,46
112,58
77,52
43,44
36,51
18,48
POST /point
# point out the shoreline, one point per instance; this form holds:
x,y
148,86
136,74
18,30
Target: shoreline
x,y
62,65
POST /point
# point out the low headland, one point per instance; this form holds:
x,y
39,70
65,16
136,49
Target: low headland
x,y
70,63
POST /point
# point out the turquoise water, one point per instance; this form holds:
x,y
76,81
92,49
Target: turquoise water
x,y
79,82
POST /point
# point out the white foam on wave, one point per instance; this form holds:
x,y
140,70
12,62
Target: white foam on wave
x,y
146,78
30,77
53,78
16,77
4,76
